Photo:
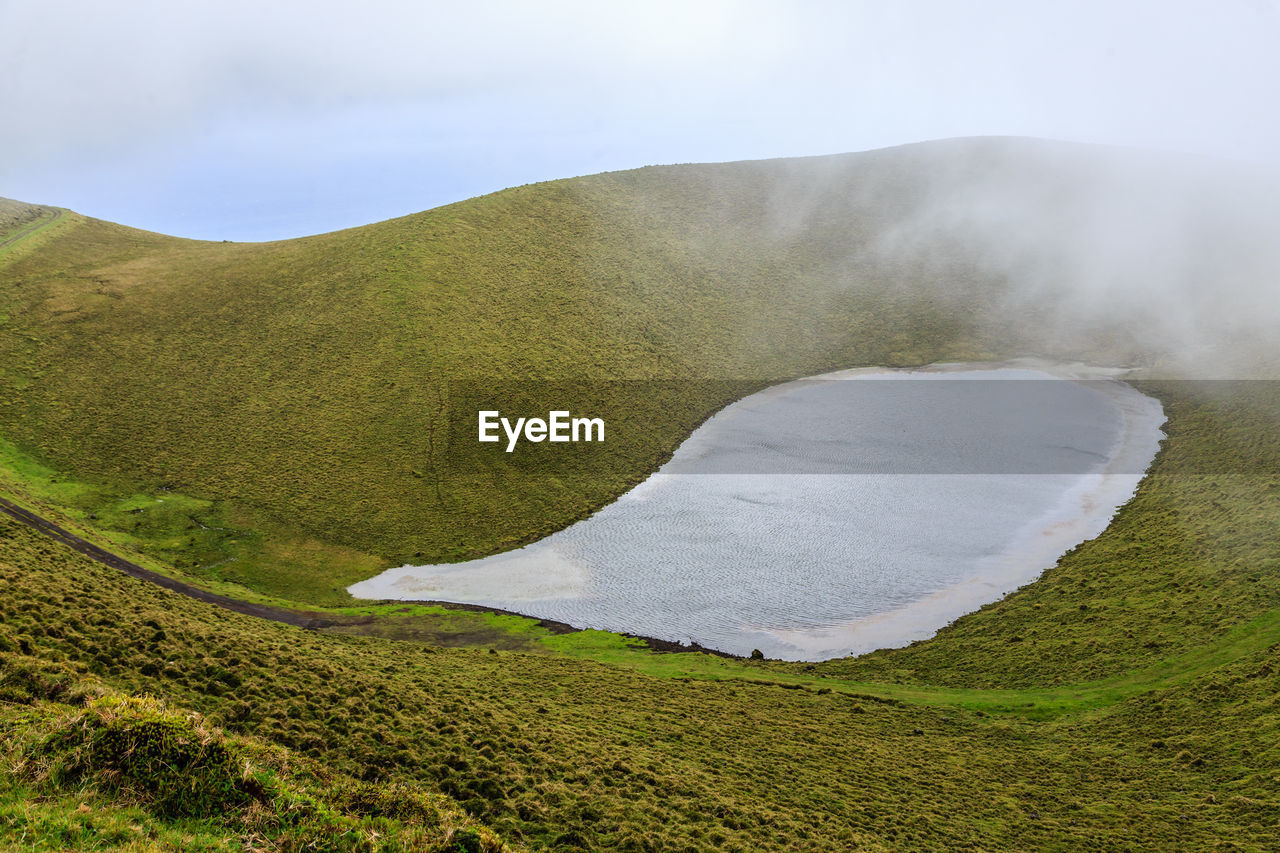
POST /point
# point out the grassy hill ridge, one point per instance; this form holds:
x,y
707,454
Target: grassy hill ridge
x,y
297,391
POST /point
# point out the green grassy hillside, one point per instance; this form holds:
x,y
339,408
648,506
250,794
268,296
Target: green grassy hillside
x,y
286,415
569,754
274,420
298,384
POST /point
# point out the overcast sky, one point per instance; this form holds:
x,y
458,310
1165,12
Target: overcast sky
x,y
253,121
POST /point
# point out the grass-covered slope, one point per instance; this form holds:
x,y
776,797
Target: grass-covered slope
x,y
89,769
576,755
273,414
279,414
298,382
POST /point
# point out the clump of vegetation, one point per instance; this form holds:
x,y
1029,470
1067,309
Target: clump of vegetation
x,y
136,746
186,776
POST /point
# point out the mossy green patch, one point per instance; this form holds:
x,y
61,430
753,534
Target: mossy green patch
x,y
136,745
201,539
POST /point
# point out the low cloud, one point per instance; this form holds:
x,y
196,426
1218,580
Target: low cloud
x,y
147,94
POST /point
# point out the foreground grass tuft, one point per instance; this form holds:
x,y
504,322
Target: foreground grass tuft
x,y
184,778
137,747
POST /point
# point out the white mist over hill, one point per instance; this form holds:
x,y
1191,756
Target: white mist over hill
x,y
1172,260
244,121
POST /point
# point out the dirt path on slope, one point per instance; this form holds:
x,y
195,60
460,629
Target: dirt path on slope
x,y
300,619
106,558
37,226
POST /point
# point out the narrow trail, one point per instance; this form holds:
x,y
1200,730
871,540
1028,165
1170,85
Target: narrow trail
x,y
312,621
106,558
38,225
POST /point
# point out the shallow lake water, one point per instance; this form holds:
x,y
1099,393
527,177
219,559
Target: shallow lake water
x,y
832,516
